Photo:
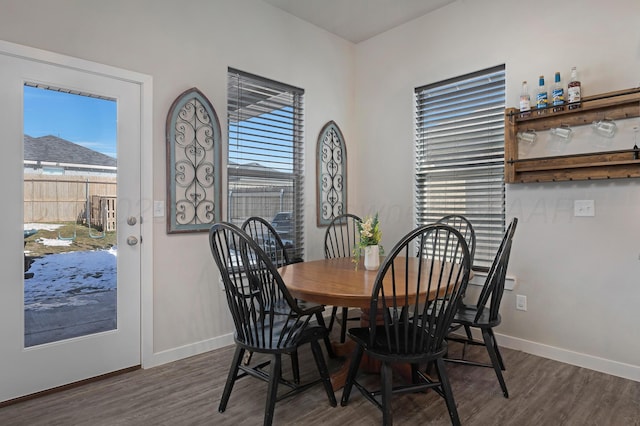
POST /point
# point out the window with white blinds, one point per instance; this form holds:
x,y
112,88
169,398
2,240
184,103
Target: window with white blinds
x,y
460,155
265,155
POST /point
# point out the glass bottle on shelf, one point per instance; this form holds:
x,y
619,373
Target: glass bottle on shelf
x,y
574,90
525,100
542,98
557,95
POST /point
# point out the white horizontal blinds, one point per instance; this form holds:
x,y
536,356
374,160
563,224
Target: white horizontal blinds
x,y
265,153
460,155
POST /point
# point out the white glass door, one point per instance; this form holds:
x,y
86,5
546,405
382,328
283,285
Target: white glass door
x,y
70,287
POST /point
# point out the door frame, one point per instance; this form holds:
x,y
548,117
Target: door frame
x,y
145,82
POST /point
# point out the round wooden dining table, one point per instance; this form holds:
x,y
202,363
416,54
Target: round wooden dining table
x,y
330,282
337,282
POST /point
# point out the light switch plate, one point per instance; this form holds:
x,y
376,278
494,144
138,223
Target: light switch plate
x,y
521,302
584,208
158,209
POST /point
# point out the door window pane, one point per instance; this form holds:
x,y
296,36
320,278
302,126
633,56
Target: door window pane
x,y
70,180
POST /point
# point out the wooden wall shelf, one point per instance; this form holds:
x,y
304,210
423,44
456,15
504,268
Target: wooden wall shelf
x,y
599,165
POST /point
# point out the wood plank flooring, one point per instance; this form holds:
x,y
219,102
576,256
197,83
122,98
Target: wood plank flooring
x,y
187,392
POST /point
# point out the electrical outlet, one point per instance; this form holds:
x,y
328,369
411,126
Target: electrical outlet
x,y
521,302
584,208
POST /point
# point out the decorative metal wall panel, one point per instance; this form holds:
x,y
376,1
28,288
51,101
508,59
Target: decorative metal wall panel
x,y
331,174
193,164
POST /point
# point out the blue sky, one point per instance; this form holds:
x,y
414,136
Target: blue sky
x,y
89,122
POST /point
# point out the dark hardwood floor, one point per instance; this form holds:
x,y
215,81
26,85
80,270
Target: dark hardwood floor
x,y
187,392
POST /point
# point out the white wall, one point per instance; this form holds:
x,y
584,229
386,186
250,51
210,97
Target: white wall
x,y
581,275
183,44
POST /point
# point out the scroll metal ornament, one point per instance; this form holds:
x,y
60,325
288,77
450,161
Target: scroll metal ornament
x,y
193,164
332,174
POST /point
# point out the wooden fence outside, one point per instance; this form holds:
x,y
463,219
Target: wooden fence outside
x,y
54,199
263,202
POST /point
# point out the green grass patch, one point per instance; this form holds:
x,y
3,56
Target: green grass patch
x,y
81,237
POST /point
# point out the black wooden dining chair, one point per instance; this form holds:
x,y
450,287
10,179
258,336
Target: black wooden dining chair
x,y
270,242
483,317
266,317
411,330
340,239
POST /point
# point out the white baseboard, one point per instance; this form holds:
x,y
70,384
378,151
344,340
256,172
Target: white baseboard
x,y
602,365
175,354
615,368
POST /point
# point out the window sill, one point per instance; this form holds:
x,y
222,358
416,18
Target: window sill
x,y
479,278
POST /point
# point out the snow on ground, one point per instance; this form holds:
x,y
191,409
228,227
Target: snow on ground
x,y
62,279
53,242
42,226
47,227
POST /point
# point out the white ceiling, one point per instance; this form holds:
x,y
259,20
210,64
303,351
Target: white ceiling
x,y
358,20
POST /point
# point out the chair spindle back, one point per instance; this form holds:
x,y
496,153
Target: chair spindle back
x,y
341,236
493,288
265,315
418,325
465,227
268,239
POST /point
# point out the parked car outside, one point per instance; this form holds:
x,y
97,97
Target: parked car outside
x,y
282,224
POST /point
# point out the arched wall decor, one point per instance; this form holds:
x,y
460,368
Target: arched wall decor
x,y
331,174
193,164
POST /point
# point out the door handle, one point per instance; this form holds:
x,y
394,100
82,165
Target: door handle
x,y
131,240
131,220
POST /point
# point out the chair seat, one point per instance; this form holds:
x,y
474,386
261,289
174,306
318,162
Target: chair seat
x,y
307,334
466,315
381,349
309,308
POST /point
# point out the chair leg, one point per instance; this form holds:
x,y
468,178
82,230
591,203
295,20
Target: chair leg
x,y
489,343
351,375
448,393
467,330
414,373
334,312
385,392
327,341
295,366
274,378
497,349
343,328
231,378
324,372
